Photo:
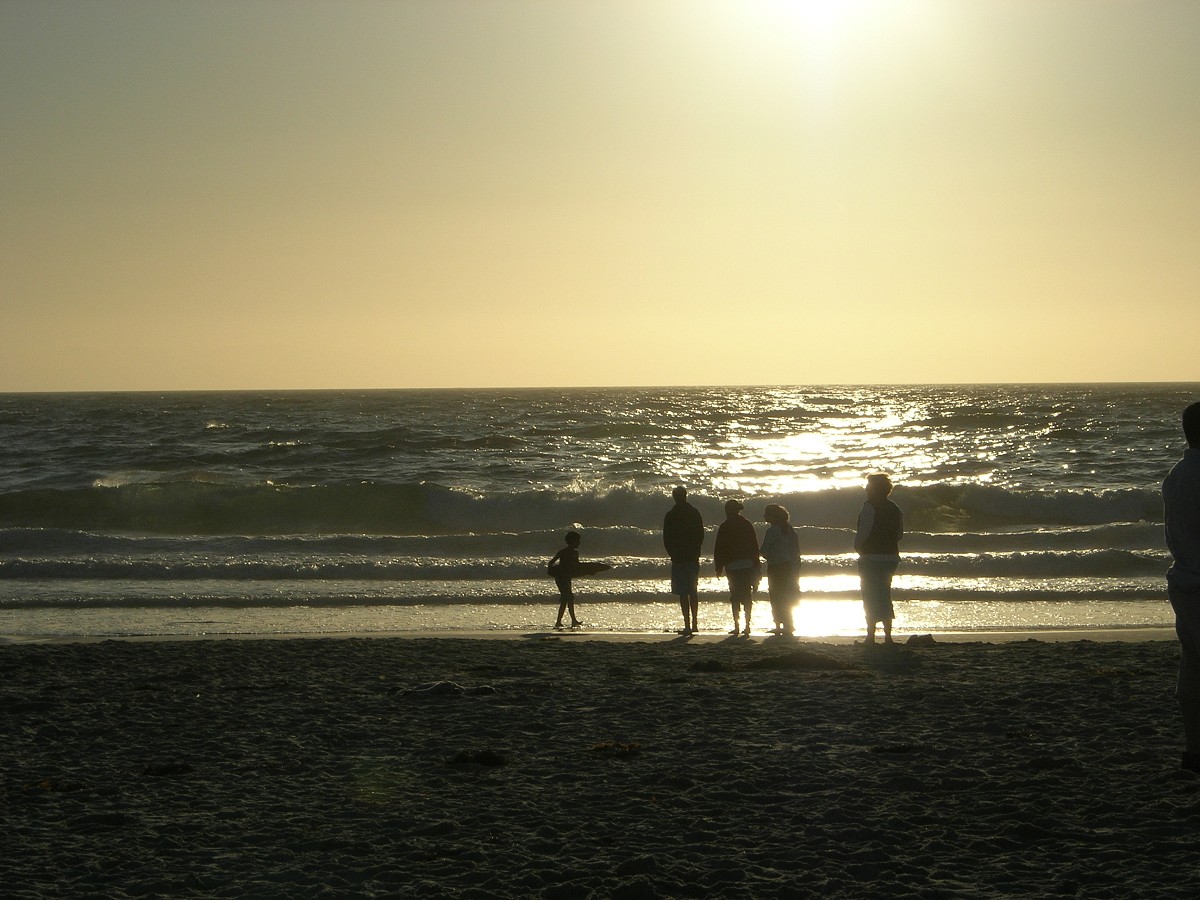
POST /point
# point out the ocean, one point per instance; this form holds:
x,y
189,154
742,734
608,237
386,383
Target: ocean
x,y
414,512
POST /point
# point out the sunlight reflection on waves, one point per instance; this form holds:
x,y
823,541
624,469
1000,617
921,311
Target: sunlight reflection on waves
x,y
835,452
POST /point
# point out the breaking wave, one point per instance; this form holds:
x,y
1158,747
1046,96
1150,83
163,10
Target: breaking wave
x,y
203,507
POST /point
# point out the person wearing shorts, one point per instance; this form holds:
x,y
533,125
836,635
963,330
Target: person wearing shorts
x,y
683,534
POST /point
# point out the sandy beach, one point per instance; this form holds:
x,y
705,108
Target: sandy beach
x,y
571,767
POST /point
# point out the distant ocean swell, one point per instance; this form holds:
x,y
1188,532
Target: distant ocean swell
x,y
191,507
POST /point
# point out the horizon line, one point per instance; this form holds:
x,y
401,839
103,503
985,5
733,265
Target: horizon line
x,y
595,387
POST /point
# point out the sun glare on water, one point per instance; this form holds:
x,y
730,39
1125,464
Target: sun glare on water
x,y
830,456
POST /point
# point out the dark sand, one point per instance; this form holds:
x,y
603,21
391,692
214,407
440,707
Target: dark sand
x,y
572,768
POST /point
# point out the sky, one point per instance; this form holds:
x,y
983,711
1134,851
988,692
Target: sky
x,y
274,194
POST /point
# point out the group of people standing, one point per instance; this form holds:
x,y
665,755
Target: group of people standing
x,y
739,556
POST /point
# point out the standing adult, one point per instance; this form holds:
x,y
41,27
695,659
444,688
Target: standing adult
x,y
736,555
683,533
880,527
1181,501
781,550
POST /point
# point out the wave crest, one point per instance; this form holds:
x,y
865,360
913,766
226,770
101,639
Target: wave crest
x,y
212,508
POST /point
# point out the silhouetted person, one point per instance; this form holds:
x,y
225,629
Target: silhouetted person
x,y
1181,501
781,550
736,554
880,527
683,534
562,566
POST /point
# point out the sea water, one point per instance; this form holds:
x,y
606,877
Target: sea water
x,y
1026,506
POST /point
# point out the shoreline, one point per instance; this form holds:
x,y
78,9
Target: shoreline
x,y
1131,634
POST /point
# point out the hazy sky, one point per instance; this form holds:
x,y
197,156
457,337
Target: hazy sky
x,y
399,193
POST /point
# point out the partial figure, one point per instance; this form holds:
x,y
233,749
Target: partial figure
x,y
880,527
736,555
563,567
781,550
683,534
1181,502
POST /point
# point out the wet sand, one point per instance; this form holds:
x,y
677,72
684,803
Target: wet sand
x,y
572,767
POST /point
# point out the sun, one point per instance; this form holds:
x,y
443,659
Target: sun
x,y
823,19
821,15
831,24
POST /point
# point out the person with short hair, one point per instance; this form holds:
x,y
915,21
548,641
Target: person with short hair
x,y
683,535
877,541
736,555
781,550
562,567
1181,505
